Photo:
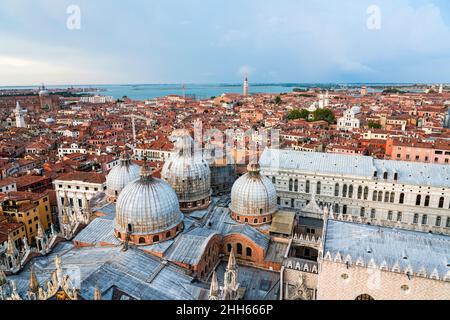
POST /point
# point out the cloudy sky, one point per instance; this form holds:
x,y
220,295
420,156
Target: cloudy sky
x,y
217,41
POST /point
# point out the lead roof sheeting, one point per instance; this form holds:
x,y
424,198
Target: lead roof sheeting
x,y
190,247
422,249
414,173
99,230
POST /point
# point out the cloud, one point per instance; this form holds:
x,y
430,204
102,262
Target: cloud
x,y
178,41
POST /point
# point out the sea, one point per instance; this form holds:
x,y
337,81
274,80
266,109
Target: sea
x,y
197,91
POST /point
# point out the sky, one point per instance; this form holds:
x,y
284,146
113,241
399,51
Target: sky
x,y
222,41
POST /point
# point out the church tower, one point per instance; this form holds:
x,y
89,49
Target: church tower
x,y
246,87
18,112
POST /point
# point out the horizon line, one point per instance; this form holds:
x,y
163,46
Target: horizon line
x,y
225,83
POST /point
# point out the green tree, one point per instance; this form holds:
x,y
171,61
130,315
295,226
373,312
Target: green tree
x,y
324,114
278,100
374,125
298,114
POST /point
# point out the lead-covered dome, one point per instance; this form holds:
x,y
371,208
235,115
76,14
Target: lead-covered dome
x,y
188,173
120,176
253,197
147,211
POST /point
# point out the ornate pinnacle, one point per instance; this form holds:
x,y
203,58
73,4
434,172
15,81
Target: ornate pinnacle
x,y
11,249
34,283
97,293
40,230
231,262
3,279
214,290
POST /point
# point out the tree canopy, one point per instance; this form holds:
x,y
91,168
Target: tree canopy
x,y
320,114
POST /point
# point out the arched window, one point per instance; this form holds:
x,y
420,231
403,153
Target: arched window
x,y
168,235
274,180
141,240
360,190
307,186
248,252
296,185
255,221
364,297
424,219
385,175
350,191
438,221
344,191
380,196
336,208
278,200
374,196
155,239
229,247
291,184
344,209
441,202
392,198
366,193
318,187
418,200
401,200
336,190
246,220
264,220
427,201
292,203
386,196
239,248
373,213
362,211
130,228
395,176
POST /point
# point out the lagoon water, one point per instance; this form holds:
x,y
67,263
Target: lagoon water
x,y
199,91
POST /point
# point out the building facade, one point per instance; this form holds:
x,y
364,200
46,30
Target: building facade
x,y
414,196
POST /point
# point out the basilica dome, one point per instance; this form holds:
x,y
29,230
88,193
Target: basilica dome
x,y
188,173
253,198
121,175
147,211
